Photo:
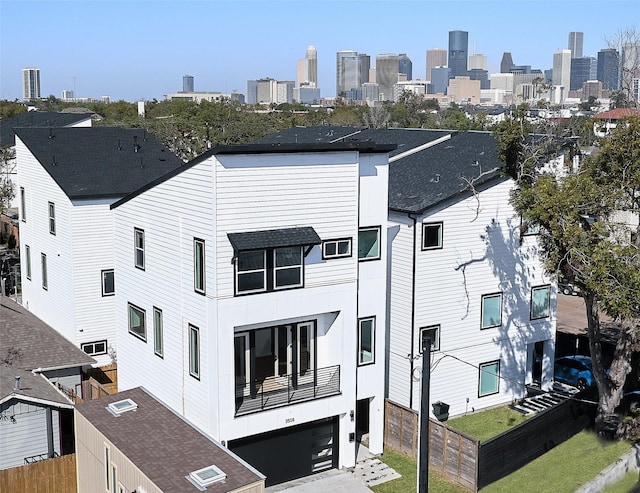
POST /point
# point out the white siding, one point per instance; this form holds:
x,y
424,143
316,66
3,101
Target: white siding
x,y
27,436
481,254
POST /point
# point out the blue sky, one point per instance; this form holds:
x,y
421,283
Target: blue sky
x,y
140,49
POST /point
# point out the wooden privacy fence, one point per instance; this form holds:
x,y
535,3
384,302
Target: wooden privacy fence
x,y
48,476
464,460
107,376
452,453
92,389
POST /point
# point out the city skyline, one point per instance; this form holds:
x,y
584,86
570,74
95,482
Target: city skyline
x,y
223,46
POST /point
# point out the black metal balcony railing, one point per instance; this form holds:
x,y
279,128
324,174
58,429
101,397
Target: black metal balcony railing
x,y
283,390
40,457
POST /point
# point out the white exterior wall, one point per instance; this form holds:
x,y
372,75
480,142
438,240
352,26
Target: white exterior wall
x,y
268,191
480,255
76,254
26,434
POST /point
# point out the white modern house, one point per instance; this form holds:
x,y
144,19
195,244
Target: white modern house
x,y
462,269
67,179
255,304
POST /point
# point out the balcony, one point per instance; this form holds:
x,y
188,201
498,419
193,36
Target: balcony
x,y
284,390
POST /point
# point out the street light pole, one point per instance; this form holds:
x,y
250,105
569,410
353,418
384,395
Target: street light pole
x,y
423,459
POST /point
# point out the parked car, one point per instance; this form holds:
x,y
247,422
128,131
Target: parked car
x,y
566,287
574,370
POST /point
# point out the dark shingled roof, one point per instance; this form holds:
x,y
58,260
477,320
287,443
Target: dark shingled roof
x,y
99,162
37,119
39,345
428,177
309,135
274,238
163,445
33,387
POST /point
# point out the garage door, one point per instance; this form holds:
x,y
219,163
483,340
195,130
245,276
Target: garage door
x,y
288,454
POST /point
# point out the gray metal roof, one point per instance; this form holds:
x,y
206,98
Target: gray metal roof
x,y
37,119
37,344
274,238
163,445
99,162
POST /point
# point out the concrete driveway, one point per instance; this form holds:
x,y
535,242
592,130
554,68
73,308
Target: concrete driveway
x,y
339,480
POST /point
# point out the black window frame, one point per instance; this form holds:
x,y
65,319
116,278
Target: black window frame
x,y
158,328
27,252
51,209
45,271
139,233
201,271
372,319
194,373
488,295
83,346
103,274
435,341
425,226
269,270
548,314
363,229
131,306
498,377
337,241
23,205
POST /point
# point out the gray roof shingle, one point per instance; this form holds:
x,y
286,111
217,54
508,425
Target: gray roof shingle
x,y
99,162
163,445
36,119
274,238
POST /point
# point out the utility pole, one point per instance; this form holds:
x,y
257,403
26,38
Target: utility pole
x,y
423,458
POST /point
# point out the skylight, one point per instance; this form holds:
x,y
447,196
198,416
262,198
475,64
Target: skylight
x,y
208,475
119,407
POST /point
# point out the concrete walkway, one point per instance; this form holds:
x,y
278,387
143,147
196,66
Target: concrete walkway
x,y
369,471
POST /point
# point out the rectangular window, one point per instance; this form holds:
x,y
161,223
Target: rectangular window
x,y
158,344
287,267
45,276
52,218
108,282
433,332
431,236
366,340
27,252
137,325
369,243
114,479
194,351
139,247
528,228
336,248
107,468
491,310
489,381
23,204
251,271
94,348
198,266
540,302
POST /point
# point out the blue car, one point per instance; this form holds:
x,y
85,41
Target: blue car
x,y
574,370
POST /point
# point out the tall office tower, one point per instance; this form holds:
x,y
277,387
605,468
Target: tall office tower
x,y
308,68
67,95
365,68
478,61
630,68
481,75
284,91
458,52
582,70
405,66
30,83
436,57
608,69
562,69
187,83
506,64
387,70
575,44
347,71
440,79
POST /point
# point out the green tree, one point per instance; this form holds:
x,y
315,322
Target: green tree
x,y
9,109
582,236
7,192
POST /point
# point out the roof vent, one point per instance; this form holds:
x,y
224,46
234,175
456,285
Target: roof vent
x,y
16,385
119,407
436,179
206,476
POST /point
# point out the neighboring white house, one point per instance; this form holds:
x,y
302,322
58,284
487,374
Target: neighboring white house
x,y
39,369
67,179
254,305
462,268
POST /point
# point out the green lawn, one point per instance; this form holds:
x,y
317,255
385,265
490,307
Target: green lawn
x,y
488,424
625,485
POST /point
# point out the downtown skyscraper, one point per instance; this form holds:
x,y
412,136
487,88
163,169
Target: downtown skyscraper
x,y
352,70
30,83
387,70
609,69
575,44
458,52
308,68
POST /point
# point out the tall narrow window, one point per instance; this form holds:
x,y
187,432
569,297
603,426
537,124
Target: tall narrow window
x,y
137,325
491,311
108,282
158,343
369,243
489,378
198,266
194,351
540,302
139,247
23,204
45,276
366,340
52,218
107,468
27,252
